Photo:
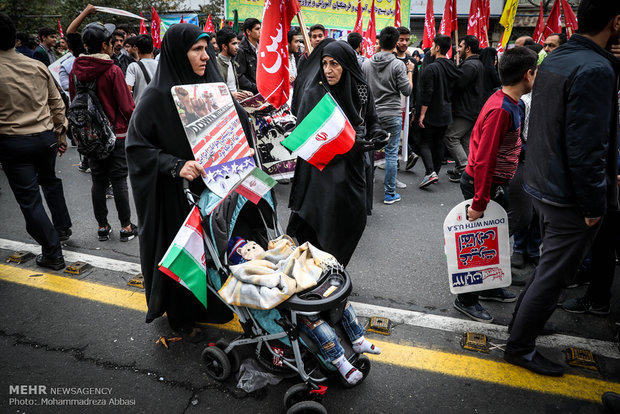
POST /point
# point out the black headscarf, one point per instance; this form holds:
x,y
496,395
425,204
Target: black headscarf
x,y
307,69
156,143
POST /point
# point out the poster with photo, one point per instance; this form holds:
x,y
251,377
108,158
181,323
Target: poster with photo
x,y
214,131
271,127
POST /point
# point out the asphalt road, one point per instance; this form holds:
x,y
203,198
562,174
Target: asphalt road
x,y
64,340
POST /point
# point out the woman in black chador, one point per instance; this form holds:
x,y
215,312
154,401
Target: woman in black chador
x,y
159,157
329,206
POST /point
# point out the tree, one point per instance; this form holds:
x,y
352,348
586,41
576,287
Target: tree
x,y
216,9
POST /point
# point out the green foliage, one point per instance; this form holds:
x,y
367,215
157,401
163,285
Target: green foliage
x,y
216,9
30,16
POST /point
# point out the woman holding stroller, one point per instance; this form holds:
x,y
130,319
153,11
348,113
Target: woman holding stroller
x,y
329,206
159,157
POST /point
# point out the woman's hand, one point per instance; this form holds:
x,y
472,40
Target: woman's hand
x,y
192,170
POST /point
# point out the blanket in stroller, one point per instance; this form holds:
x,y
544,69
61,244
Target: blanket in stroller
x,y
276,275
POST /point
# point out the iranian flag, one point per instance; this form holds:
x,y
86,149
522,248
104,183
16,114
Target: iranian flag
x,y
185,259
324,133
256,185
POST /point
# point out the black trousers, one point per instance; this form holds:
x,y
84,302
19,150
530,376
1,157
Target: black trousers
x,y
500,193
29,161
604,260
431,147
566,239
112,169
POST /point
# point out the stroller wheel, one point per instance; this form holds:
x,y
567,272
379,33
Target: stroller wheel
x,y
298,393
307,407
216,363
362,363
233,355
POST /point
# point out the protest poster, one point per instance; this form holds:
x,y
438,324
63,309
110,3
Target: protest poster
x,y
215,134
477,252
271,126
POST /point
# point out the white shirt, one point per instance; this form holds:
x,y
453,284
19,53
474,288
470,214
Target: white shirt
x,y
136,79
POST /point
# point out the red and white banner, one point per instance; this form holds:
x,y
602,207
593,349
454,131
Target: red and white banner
x,y
449,21
554,21
272,71
60,33
478,21
359,22
143,26
209,25
569,19
429,26
155,28
370,37
397,17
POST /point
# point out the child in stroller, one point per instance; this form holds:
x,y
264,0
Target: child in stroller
x,y
240,251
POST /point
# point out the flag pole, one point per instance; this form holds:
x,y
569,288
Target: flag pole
x,y
304,32
456,40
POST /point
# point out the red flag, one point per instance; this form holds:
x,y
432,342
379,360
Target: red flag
x,y
569,19
142,26
397,18
474,21
540,25
155,28
182,21
370,37
209,25
360,19
448,21
60,29
483,25
554,21
429,26
272,71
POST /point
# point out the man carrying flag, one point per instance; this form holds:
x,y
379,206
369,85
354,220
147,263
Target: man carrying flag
x,y
336,124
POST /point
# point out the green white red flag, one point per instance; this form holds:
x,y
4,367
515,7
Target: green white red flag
x,y
256,185
324,133
185,259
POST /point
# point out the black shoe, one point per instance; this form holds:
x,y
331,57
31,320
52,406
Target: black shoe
x,y
65,235
517,260
583,305
104,233
128,235
498,295
412,158
453,173
475,312
538,364
51,263
611,402
455,178
83,168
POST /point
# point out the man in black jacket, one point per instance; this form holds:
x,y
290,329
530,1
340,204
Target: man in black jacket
x,y
246,55
571,171
467,102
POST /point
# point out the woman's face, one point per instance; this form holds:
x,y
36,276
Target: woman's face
x,y
198,57
332,70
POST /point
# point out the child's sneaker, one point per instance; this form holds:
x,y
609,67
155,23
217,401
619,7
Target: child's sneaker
x,y
104,233
128,235
391,199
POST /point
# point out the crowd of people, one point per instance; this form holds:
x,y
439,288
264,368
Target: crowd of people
x,y
557,103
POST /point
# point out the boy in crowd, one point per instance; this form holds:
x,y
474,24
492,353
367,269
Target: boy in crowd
x,y
493,158
140,73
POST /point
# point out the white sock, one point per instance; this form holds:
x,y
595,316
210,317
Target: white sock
x,y
348,371
362,345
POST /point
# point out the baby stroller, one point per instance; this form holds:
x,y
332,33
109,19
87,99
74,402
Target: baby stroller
x,y
279,345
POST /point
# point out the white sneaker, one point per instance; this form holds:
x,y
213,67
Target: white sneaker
x,y
400,184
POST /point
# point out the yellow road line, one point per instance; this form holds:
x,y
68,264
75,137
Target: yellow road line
x,y
403,355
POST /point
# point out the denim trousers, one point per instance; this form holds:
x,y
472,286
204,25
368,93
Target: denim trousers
x,y
29,162
112,169
324,335
392,125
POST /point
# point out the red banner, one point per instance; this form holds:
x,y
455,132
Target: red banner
x,y
370,38
429,26
554,21
359,22
397,13
569,19
209,25
272,71
448,21
155,28
540,25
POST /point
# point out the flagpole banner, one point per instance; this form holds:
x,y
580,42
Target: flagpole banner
x,y
118,12
333,14
272,126
168,20
215,134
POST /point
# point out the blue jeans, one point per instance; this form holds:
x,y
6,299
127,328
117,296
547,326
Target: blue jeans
x,y
324,335
393,126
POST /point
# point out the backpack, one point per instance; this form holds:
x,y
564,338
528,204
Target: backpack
x,y
88,124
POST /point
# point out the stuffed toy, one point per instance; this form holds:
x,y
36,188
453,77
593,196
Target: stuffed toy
x,y
241,250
